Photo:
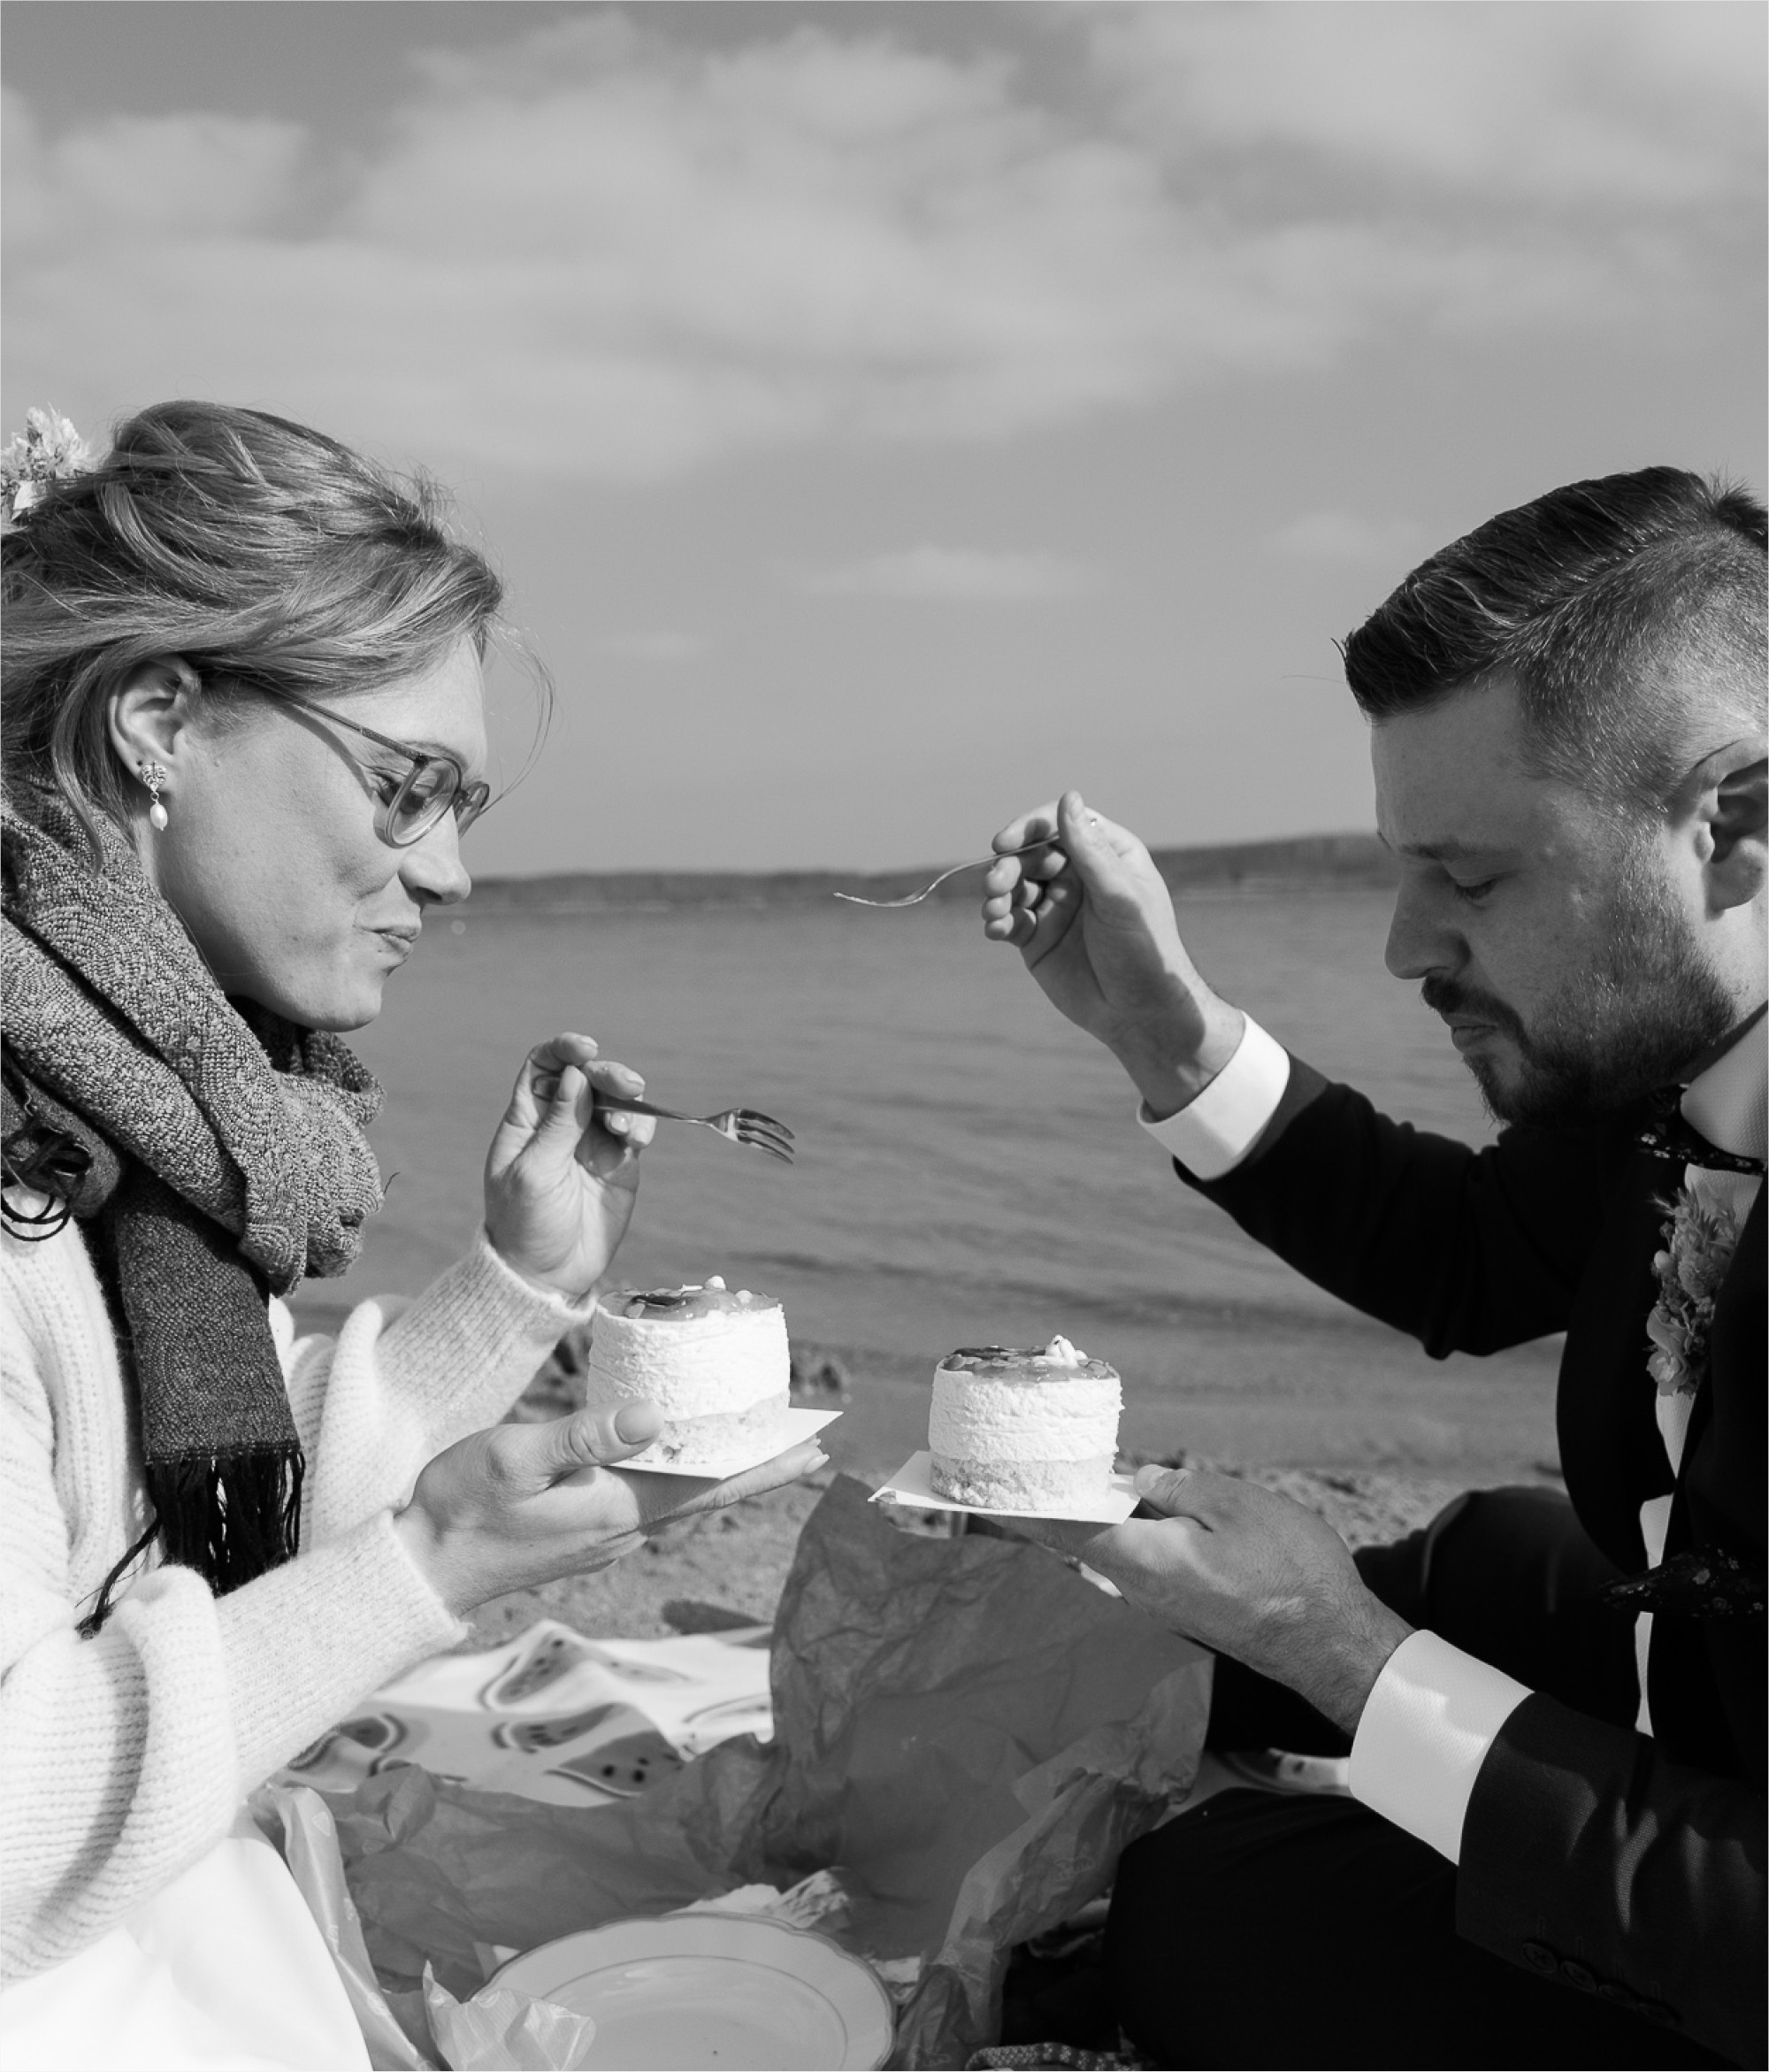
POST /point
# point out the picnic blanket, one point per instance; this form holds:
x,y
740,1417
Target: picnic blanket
x,y
555,1715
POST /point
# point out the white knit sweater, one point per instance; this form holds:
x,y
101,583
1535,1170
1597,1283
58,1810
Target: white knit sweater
x,y
123,1758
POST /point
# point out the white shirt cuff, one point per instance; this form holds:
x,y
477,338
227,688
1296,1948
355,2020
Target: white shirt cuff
x,y
1424,1734
1211,1135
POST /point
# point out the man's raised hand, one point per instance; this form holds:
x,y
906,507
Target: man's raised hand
x,y
1251,1574
1093,919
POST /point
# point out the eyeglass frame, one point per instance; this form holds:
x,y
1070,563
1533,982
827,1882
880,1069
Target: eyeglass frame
x,y
477,797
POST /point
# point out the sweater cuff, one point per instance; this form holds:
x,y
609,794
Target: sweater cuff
x,y
1427,1726
309,1640
1211,1135
479,1319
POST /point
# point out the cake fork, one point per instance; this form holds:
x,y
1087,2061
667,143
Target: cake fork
x,y
915,899
742,1125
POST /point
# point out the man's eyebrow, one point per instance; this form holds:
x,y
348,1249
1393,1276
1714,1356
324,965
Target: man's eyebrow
x,y
1448,851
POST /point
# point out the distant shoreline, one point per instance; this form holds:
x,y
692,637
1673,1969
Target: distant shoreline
x,y
1298,863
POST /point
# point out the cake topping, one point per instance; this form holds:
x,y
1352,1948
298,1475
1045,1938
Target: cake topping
x,y
1035,1362
711,1298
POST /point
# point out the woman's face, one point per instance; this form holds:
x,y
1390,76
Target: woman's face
x,y
270,856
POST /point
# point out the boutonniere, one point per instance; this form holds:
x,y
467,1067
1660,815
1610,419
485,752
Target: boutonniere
x,y
1699,1243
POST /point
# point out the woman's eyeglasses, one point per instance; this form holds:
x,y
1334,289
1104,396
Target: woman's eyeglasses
x,y
434,786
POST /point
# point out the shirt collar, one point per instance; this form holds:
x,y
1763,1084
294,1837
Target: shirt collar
x,y
1729,1102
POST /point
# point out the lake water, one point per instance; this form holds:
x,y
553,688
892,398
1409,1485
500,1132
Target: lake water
x,y
968,1168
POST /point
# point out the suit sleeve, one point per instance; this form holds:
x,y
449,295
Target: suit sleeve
x,y
1468,1251
1588,1857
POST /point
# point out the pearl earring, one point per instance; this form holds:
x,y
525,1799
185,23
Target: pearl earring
x,y
154,775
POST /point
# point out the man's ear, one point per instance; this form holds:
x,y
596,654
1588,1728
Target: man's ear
x,y
1728,792
149,714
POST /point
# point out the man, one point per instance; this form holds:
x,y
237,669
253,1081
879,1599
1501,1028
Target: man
x,y
1553,1853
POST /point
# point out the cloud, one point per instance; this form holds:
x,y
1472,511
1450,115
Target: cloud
x,y
594,250
1565,102
962,574
1341,535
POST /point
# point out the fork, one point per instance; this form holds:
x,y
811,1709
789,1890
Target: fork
x,y
742,1125
915,899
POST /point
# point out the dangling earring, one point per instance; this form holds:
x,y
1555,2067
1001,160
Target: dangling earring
x,y
154,775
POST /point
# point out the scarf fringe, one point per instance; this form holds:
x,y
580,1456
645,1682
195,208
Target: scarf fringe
x,y
231,1517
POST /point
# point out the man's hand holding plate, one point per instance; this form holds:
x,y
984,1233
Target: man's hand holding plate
x,y
1250,1574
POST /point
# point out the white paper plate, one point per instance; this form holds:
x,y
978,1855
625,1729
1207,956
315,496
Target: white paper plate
x,y
913,1484
794,1429
693,1991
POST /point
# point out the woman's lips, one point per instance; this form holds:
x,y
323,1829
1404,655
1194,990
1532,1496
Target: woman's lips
x,y
400,941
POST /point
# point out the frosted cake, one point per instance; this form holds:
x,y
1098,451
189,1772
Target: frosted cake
x,y
714,1363
1023,1430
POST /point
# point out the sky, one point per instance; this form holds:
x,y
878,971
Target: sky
x,y
885,415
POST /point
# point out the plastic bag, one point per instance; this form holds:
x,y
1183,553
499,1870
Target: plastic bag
x,y
966,1733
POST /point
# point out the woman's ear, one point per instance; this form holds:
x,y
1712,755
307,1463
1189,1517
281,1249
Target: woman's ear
x,y
149,717
1732,806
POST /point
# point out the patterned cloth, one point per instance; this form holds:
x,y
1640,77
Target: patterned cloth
x,y
211,1160
555,1715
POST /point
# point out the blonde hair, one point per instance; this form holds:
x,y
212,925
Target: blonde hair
x,y
269,557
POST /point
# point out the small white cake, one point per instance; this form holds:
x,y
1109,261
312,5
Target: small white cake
x,y
715,1364
1025,1431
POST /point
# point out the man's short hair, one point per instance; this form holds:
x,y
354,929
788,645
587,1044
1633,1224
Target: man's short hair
x,y
1629,611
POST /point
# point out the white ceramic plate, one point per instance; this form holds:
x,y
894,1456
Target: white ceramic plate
x,y
913,1484
694,1991
797,1427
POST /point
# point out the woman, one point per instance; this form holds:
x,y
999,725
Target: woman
x,y
243,735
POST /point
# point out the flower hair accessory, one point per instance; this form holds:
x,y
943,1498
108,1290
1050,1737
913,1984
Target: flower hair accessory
x,y
48,449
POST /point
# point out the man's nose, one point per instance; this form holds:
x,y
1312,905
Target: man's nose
x,y
432,870
1420,941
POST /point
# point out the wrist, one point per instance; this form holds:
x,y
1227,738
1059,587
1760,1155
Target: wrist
x,y
427,1548
559,1284
1171,1065
1348,1667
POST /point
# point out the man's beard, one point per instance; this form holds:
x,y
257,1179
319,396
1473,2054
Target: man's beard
x,y
1630,1023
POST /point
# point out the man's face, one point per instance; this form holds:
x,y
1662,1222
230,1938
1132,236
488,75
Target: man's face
x,y
1559,941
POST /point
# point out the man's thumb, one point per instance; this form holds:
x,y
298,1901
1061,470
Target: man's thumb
x,y
1159,1487
1083,841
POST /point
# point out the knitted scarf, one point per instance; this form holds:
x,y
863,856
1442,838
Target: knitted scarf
x,y
214,1154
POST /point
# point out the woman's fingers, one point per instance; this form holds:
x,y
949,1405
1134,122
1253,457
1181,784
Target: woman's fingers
x,y
557,1071
672,1496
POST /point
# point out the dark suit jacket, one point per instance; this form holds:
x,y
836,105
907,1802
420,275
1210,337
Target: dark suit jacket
x,y
1625,1864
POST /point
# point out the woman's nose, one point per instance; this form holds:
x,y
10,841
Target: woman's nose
x,y
432,870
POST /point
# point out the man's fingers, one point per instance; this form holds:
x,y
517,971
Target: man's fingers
x,y
1030,827
1160,1488
1063,1535
1192,1493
